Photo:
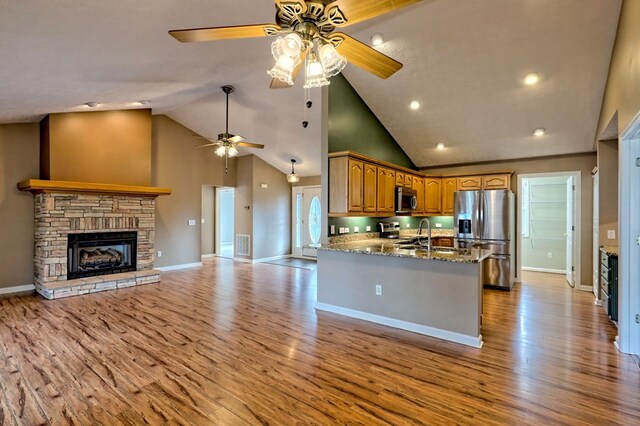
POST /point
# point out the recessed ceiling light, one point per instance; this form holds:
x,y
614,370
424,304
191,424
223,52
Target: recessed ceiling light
x,y
377,39
143,102
414,105
91,104
440,146
531,79
540,132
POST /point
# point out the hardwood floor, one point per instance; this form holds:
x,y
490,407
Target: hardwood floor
x,y
234,343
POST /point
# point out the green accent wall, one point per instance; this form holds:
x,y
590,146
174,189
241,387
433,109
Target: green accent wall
x,y
354,127
363,222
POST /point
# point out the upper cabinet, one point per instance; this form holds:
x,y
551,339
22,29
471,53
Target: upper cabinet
x,y
363,186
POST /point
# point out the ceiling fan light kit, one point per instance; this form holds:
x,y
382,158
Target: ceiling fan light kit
x,y
306,33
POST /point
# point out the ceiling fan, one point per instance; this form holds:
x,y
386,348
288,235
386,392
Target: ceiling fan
x,y
306,30
228,143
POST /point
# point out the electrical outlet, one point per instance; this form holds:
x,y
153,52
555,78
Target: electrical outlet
x,y
201,220
407,225
159,253
438,225
356,229
550,255
333,229
611,234
378,290
369,229
346,230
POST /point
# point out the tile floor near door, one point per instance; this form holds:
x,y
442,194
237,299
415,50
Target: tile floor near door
x,y
233,343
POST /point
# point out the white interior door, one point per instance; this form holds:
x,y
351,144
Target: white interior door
x,y
596,236
569,233
311,221
296,221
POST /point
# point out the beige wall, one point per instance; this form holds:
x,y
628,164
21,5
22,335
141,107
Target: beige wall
x,y
243,200
18,161
271,211
608,190
623,85
308,181
579,162
103,147
178,165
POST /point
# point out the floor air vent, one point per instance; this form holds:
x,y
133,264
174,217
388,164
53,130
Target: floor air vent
x,y
243,245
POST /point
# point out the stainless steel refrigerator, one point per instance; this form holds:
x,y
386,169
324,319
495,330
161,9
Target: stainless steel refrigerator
x,y
485,219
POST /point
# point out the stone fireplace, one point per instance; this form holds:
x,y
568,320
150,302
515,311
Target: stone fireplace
x,y
92,237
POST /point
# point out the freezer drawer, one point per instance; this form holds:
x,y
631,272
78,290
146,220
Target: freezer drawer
x,y
496,247
496,272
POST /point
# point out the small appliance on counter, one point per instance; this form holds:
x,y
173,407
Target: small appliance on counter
x,y
389,229
406,200
485,220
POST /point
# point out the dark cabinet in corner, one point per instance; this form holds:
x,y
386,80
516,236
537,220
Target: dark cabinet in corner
x,y
609,283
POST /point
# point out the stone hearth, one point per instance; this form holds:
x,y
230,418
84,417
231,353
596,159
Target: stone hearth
x,y
58,214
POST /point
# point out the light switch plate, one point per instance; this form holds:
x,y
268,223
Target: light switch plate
x,y
611,234
407,225
192,222
264,186
202,220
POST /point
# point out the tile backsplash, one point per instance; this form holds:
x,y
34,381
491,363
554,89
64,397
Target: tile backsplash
x,y
348,225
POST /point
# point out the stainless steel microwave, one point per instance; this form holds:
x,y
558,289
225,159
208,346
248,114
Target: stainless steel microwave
x,y
406,200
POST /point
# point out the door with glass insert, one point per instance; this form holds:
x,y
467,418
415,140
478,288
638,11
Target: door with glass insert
x,y
310,221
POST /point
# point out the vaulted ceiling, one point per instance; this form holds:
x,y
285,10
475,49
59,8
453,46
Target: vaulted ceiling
x,y
464,61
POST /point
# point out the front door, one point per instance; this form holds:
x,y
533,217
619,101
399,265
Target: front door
x,y
311,221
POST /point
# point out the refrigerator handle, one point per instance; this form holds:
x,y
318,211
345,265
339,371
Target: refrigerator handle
x,y
481,216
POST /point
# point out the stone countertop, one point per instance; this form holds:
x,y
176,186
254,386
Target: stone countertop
x,y
385,247
610,250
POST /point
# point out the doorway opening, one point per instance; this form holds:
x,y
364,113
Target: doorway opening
x,y
549,223
224,228
306,223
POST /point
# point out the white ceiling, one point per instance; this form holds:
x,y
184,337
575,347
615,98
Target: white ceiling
x,y
464,61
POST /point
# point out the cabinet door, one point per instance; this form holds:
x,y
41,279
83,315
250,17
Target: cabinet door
x,y
370,188
432,195
418,186
496,182
390,193
399,179
381,190
356,176
469,183
449,186
408,181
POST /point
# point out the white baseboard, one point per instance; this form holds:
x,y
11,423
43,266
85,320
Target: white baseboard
x,y
207,256
265,259
183,266
547,270
17,289
476,342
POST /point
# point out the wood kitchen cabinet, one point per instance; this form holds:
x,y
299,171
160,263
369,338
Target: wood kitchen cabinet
x,y
399,179
502,181
370,190
386,190
356,185
469,183
408,180
418,186
449,186
433,195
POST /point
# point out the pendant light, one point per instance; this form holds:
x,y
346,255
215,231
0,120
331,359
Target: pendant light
x,y
293,177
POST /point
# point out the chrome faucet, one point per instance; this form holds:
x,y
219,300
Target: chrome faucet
x,y
426,219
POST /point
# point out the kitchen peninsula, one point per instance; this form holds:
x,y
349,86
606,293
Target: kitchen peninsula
x,y
437,293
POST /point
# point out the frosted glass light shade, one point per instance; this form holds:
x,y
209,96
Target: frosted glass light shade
x,y
293,178
315,74
221,150
332,61
232,151
283,69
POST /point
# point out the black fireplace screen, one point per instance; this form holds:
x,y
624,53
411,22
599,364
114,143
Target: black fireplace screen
x,y
101,253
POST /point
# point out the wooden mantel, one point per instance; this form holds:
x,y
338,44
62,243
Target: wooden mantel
x,y
37,186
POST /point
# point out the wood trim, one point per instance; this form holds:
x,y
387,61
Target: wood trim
x,y
37,186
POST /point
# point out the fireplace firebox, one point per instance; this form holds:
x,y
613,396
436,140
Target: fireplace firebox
x,y
100,253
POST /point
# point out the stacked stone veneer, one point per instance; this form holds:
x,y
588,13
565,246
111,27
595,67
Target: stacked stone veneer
x,y
57,215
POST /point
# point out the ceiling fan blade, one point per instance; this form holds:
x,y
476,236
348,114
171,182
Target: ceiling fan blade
x,y
366,57
222,33
206,145
250,145
236,138
347,12
279,84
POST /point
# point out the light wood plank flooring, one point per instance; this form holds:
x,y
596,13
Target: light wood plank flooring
x,y
234,344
